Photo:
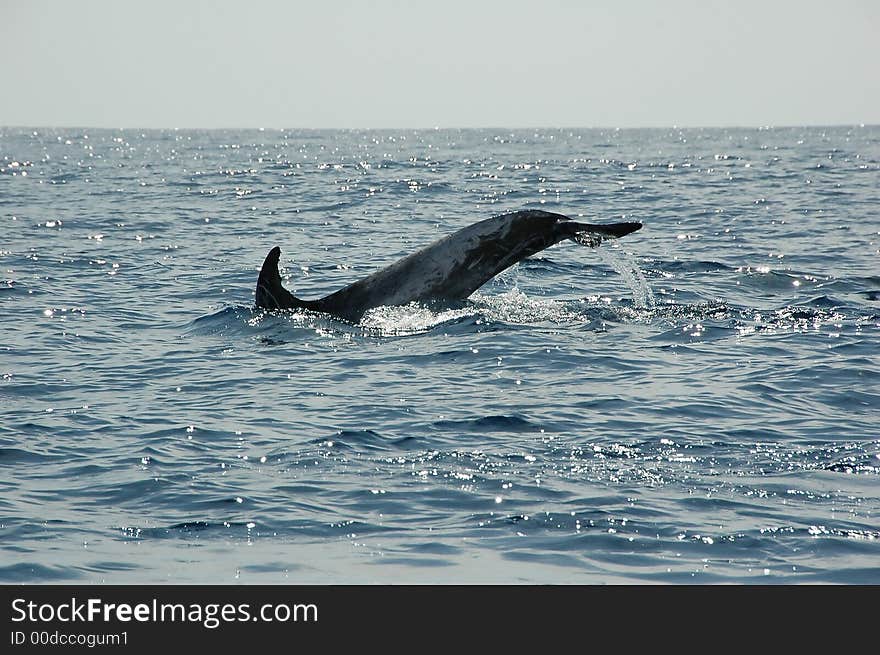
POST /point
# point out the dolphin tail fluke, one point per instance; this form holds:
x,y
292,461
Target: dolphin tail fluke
x,y
592,235
270,293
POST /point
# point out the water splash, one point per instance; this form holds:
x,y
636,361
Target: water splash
x,y
516,307
511,307
625,264
402,320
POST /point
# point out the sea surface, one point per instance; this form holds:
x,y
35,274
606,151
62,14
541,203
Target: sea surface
x,y
698,402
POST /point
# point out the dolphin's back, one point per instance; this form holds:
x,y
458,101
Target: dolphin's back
x,y
455,266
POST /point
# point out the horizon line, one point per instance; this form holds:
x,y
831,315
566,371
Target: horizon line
x,y
438,128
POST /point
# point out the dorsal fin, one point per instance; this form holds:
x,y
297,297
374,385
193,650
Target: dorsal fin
x,y
270,293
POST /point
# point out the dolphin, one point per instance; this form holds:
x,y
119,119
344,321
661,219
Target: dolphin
x,y
450,269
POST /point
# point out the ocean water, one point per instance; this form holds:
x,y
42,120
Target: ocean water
x,y
698,402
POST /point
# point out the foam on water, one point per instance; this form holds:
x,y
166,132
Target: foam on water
x,y
408,319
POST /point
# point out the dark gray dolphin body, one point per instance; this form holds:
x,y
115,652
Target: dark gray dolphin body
x,y
451,268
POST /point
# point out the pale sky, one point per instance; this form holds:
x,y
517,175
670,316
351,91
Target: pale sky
x,y
449,63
